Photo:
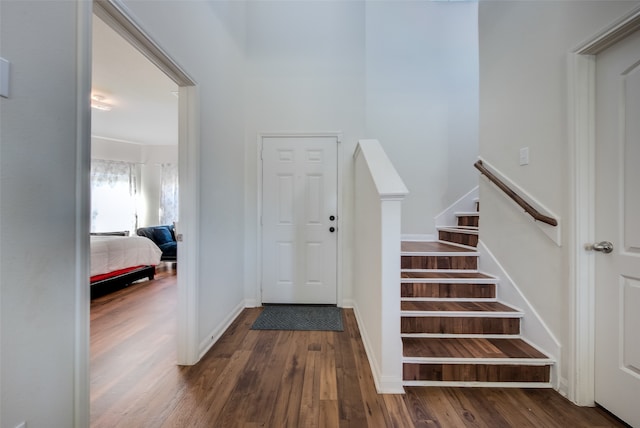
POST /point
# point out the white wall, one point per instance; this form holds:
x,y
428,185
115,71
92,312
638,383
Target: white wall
x,y
422,100
404,73
523,103
207,39
305,73
38,214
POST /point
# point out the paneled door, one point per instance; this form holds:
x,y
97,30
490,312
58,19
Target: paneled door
x,y
299,219
617,300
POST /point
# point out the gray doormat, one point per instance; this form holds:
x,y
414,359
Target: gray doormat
x,y
299,317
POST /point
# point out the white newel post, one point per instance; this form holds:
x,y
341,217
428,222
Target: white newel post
x,y
379,193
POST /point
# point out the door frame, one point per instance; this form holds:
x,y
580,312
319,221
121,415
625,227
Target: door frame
x,y
340,239
121,20
582,143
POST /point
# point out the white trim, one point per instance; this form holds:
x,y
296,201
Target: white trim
x,y
488,281
460,336
617,31
438,254
188,277
340,242
387,181
461,314
582,72
449,299
473,271
81,385
384,385
476,361
215,334
467,214
581,378
477,384
117,16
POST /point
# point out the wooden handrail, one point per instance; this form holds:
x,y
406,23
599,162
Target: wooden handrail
x,y
513,195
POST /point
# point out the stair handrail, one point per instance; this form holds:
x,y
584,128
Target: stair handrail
x,y
516,198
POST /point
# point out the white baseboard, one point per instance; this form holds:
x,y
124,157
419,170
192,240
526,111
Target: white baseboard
x,y
384,384
563,388
214,335
251,303
348,303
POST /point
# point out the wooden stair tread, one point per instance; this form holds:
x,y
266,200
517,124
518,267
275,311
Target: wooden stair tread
x,y
469,348
449,275
431,247
444,306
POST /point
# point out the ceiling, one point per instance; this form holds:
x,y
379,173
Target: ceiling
x,y
144,100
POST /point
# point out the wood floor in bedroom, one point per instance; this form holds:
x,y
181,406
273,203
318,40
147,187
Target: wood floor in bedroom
x,y
254,378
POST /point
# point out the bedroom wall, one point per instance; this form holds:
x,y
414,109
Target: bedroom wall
x,y
149,159
524,50
209,44
38,216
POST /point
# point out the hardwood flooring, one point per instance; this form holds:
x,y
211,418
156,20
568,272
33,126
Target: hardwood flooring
x,y
254,378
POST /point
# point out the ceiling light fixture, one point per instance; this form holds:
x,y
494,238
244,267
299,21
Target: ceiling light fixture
x,y
98,103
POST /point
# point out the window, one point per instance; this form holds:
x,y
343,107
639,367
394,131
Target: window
x,y
113,196
169,194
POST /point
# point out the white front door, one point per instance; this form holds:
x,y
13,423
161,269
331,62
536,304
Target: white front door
x,y
299,219
617,300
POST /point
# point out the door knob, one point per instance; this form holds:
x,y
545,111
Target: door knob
x,y
332,229
332,217
603,246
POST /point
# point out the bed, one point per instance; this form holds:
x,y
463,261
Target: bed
x,y
117,261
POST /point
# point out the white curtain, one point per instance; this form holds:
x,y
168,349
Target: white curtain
x,y
169,193
113,196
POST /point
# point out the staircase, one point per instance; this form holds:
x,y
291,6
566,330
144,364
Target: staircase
x,y
455,332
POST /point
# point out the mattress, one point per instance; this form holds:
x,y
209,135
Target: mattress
x,y
112,253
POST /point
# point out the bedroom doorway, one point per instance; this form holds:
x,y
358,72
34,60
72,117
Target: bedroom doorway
x,y
112,14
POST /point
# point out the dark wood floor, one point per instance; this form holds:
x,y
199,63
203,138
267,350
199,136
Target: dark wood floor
x,y
254,378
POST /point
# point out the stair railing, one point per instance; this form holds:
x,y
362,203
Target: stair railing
x,y
533,212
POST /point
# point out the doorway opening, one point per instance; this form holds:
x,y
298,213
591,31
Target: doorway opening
x,y
112,15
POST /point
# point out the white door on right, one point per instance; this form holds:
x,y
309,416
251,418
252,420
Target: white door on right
x,y
617,301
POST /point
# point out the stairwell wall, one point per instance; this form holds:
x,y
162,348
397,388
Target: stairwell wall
x,y
524,103
422,100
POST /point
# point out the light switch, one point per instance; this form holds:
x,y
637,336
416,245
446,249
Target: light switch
x,y
524,156
4,78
